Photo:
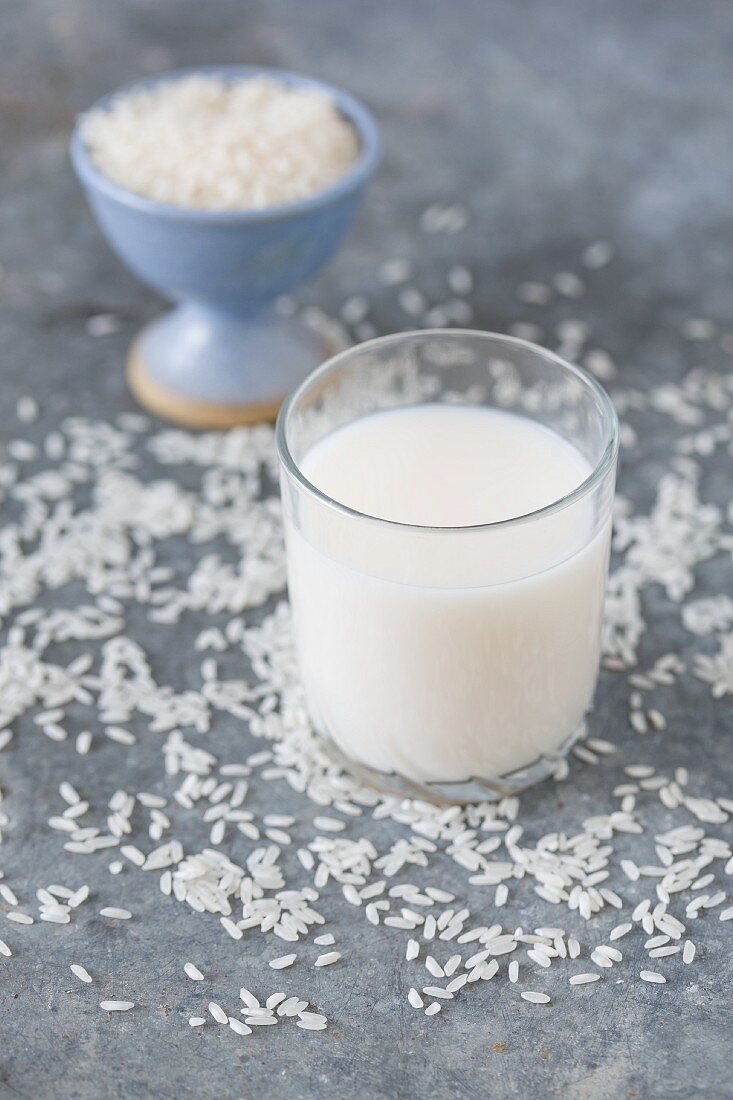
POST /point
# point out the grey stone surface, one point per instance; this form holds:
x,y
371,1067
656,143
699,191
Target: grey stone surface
x,y
559,123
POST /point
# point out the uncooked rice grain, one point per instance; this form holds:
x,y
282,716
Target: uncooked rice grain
x,y
205,143
311,1021
535,998
327,959
283,961
218,1013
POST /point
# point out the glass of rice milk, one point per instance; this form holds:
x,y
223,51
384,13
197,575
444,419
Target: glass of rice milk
x,y
447,502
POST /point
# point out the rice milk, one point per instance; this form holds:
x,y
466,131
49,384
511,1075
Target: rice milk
x,y
447,654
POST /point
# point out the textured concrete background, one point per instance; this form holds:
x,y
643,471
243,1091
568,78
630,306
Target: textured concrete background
x,y
560,122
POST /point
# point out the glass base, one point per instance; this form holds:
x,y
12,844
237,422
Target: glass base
x,y
461,791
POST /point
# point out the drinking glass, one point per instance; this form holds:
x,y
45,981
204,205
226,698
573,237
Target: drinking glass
x,y
449,662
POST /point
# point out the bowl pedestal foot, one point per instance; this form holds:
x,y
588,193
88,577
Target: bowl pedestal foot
x,y
203,368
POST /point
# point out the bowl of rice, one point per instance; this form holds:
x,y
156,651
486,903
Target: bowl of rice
x,y
223,188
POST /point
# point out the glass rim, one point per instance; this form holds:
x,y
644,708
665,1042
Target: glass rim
x,y
601,468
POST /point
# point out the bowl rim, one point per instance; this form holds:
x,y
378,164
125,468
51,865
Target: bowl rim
x,y
352,108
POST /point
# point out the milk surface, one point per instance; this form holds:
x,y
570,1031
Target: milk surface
x,y
450,654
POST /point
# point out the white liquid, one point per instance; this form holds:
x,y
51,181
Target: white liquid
x,y
452,654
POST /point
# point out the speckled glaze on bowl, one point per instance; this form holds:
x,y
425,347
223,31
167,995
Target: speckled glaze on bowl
x,y
223,356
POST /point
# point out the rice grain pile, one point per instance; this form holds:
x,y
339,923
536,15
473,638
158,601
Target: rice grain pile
x,y
205,143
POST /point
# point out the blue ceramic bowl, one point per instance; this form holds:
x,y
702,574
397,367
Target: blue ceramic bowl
x,y
223,356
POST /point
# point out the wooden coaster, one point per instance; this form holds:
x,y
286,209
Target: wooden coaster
x,y
187,411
